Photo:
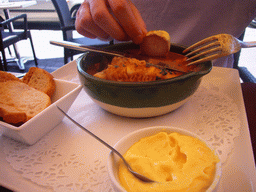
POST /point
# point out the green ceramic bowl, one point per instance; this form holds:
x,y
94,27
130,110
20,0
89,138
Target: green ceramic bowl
x,y
138,99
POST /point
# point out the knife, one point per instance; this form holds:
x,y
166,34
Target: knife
x,y
80,47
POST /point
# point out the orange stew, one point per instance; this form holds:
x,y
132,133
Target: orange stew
x,y
151,69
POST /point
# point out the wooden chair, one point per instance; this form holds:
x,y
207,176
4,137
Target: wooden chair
x,y
67,24
8,37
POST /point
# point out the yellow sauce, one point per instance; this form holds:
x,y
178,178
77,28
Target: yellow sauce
x,y
178,162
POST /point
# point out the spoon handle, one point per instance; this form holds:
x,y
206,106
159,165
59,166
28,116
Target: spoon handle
x,y
96,137
143,178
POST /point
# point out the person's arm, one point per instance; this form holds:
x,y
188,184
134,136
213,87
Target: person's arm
x,y
118,19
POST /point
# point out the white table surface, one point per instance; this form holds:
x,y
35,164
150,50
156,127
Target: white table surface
x,y
238,172
17,4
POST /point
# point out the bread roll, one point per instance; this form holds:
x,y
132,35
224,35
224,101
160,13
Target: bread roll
x,y
156,44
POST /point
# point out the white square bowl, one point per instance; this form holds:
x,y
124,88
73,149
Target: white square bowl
x,y
34,129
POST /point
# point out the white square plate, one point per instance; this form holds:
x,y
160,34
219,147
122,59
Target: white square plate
x,y
31,131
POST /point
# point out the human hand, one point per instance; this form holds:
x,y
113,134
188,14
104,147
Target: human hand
x,y
118,19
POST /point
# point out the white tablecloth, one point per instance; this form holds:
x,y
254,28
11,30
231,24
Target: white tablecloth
x,y
68,159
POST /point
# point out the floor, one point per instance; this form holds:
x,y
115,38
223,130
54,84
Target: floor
x,y
50,57
41,41
45,50
248,56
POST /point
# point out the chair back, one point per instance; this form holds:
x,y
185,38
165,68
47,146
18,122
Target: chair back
x,y
1,46
66,21
237,55
63,12
11,37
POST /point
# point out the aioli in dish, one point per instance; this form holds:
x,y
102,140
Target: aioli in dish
x,y
178,162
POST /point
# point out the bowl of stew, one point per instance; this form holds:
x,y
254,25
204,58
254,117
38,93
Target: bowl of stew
x,y
140,99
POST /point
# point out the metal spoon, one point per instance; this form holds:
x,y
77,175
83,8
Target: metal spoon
x,y
139,176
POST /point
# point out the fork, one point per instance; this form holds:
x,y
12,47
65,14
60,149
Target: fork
x,y
215,47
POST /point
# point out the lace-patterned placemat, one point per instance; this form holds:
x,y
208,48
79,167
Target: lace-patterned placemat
x,y
68,159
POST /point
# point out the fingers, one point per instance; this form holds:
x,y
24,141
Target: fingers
x,y
138,17
129,18
85,25
103,17
118,19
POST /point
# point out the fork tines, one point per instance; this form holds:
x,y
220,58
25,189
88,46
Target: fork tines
x,y
209,47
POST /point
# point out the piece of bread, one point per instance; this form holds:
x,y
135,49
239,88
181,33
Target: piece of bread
x,y
40,79
5,76
12,115
20,102
156,44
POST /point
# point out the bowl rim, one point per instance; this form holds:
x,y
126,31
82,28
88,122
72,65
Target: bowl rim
x,y
148,83
149,131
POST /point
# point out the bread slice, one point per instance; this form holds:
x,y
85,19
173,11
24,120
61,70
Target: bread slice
x,y
11,114
20,102
40,79
5,76
156,44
